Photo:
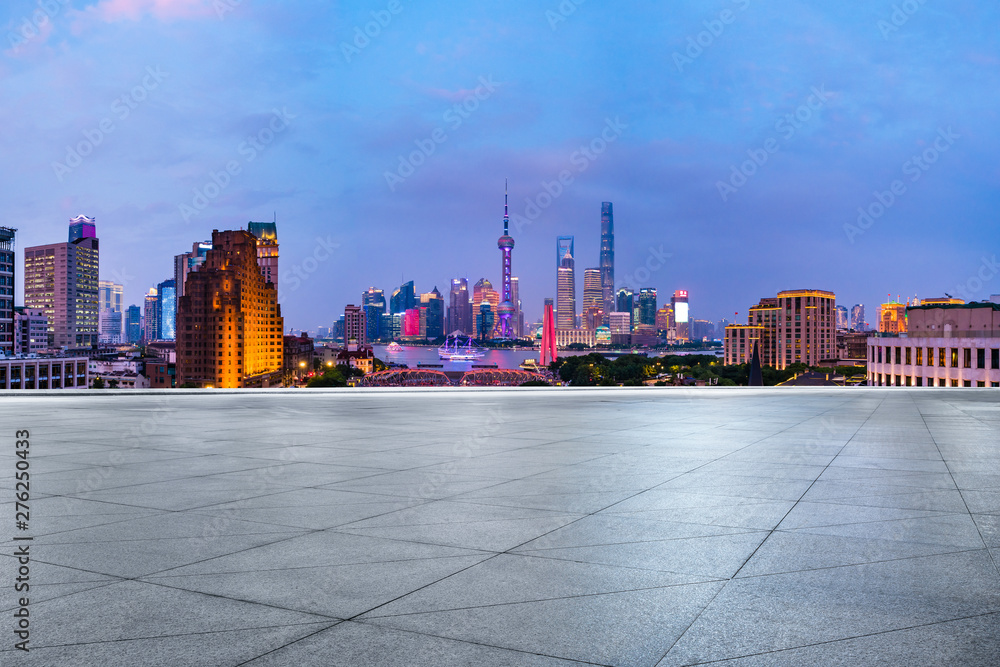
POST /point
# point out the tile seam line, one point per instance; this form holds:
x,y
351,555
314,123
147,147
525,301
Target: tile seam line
x,y
825,468
961,495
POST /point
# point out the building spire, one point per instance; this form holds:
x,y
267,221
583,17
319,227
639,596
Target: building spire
x,y
506,217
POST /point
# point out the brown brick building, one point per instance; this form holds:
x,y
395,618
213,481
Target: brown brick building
x,y
229,324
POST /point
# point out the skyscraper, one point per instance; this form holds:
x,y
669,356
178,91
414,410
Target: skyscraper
x,y
166,310
110,297
485,321
518,319
858,317
624,301
266,234
61,280
230,324
647,306
607,260
593,299
151,316
843,320
565,285
681,314
7,290
432,306
187,262
403,299
459,307
354,326
507,310
483,291
133,325
373,302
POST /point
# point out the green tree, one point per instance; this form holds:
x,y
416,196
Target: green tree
x,y
97,384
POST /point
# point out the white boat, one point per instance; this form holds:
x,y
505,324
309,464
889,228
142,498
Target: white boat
x,y
393,347
460,348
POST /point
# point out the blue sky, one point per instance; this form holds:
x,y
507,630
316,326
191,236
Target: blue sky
x,y
205,114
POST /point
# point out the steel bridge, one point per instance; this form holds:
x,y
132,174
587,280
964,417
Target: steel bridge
x,y
422,377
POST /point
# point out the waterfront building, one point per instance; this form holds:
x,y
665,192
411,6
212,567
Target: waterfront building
x,y
566,285
664,319
647,306
945,345
229,321
483,291
621,327
739,342
432,314
403,298
374,305
607,260
566,337
459,307
624,302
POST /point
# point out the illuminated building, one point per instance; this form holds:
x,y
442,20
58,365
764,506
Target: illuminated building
x,y
109,302
229,323
843,319
602,335
664,319
565,285
765,315
150,317
459,307
607,261
266,234
515,291
373,302
403,298
432,309
485,321
624,304
354,327
31,331
592,318
411,324
807,331
483,291
946,345
166,310
679,302
566,337
892,318
61,279
592,293
187,262
647,306
944,301
133,325
739,342
644,335
7,333
507,310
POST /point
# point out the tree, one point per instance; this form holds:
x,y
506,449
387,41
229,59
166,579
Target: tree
x,y
112,384
98,383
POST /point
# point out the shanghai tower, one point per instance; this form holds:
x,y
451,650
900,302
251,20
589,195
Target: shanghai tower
x,y
607,261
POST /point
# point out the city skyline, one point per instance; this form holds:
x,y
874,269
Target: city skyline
x,y
738,166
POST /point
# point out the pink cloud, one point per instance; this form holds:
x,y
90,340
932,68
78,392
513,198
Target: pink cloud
x,y
111,11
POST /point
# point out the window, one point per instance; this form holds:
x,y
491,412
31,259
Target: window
x,y
941,353
954,357
967,383
920,357
980,358
908,360
930,356
967,357
899,355
880,355
995,359
919,381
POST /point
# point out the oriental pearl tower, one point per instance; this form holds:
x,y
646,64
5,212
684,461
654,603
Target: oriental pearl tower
x,y
506,244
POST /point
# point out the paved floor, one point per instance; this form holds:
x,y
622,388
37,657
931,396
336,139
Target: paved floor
x,y
532,527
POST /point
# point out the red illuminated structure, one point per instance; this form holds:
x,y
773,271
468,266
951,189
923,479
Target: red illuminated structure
x,y
548,337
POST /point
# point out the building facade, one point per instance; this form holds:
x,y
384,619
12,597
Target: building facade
x,y
44,373
682,325
566,285
953,345
61,279
7,333
892,318
229,321
739,342
607,260
647,306
266,234
355,331
460,307
31,331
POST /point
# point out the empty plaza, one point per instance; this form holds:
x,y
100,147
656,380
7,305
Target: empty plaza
x,y
646,526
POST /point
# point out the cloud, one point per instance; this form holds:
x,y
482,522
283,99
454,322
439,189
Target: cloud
x,y
112,11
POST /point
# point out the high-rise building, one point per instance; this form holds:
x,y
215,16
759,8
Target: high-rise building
x,y
483,291
647,306
702,329
187,262
7,328
229,321
61,279
266,234
432,310
679,302
607,260
565,285
799,326
459,307
403,299
621,327
166,310
354,326
373,302
858,318
592,290
151,316
664,319
892,318
515,293
411,324
507,310
739,342
31,331
133,325
485,321
843,318
623,304
110,298
766,317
